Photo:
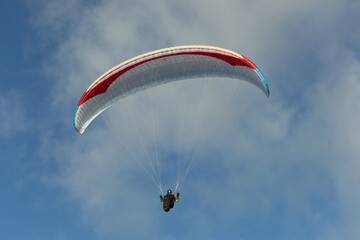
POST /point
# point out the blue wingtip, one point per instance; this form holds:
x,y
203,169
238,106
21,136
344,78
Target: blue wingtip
x,y
75,116
264,81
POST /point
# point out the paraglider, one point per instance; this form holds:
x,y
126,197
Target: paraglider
x,y
169,200
159,67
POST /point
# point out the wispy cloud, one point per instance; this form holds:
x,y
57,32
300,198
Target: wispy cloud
x,y
288,160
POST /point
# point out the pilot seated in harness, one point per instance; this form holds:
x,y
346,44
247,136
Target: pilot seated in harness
x,y
169,200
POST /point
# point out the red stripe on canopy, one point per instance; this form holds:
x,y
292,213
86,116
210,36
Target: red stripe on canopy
x,y
103,85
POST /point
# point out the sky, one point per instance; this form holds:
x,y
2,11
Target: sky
x,y
283,167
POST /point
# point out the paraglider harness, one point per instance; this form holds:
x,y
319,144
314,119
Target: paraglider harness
x,y
169,200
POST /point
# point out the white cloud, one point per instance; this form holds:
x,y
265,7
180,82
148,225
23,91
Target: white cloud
x,y
276,159
338,117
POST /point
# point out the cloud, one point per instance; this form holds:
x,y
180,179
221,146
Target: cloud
x,y
337,117
288,163
109,191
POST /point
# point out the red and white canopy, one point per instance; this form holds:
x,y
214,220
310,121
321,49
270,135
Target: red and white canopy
x,y
160,67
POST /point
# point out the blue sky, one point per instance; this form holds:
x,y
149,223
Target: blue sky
x,y
286,168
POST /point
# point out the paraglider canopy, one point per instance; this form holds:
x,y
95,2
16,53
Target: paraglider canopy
x,y
160,67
